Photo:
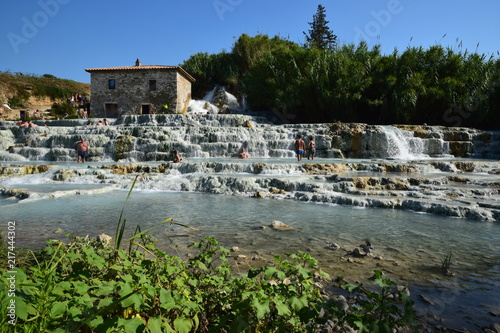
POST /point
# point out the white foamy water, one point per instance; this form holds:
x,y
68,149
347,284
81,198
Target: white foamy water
x,y
87,199
417,242
403,145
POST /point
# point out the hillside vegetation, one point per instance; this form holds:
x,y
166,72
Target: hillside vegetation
x,y
24,90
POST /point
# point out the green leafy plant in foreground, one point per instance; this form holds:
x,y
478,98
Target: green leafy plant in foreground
x,y
380,311
88,285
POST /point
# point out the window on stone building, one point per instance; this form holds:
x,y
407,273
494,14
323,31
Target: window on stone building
x,y
111,84
152,85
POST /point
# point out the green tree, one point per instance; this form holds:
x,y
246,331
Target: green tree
x,y
210,70
320,35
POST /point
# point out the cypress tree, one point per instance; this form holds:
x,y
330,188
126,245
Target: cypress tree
x,y
320,35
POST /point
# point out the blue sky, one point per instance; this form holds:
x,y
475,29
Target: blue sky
x,y
63,37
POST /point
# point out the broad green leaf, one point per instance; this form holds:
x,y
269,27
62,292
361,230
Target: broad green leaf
x,y
262,308
58,309
80,288
136,300
297,303
270,272
283,310
154,325
381,283
74,312
125,289
130,325
105,302
104,290
350,287
31,309
96,322
127,278
57,291
117,268
66,285
167,302
183,325
86,299
361,326
21,308
167,328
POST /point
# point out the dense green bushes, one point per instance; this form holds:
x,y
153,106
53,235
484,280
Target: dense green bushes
x,y
353,83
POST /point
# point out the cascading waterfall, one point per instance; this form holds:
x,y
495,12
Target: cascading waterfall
x,y
153,137
404,145
215,101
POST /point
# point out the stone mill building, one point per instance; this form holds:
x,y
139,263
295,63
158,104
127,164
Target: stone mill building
x,y
139,89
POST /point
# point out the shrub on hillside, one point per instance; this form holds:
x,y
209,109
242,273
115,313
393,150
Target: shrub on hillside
x,y
60,109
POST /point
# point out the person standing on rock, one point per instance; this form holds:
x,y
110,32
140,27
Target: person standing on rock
x,y
82,149
300,147
311,148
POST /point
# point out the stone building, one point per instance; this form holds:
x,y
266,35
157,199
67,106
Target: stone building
x,y
139,89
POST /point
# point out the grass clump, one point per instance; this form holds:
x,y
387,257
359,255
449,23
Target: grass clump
x,y
446,262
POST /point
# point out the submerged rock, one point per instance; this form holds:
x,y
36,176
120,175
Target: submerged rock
x,y
333,246
278,225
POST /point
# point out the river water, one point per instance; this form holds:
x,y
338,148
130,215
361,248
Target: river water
x,y
409,247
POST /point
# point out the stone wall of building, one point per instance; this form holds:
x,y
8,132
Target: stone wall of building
x,y
132,93
183,93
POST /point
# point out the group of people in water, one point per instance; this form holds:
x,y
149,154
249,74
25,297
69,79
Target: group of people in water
x,y
103,122
82,151
300,146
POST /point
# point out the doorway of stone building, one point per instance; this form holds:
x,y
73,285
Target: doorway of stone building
x,y
111,110
145,109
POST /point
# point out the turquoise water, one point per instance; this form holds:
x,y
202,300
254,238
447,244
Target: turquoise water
x,y
410,246
417,242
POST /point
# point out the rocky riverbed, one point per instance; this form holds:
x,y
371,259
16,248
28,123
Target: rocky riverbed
x,y
463,189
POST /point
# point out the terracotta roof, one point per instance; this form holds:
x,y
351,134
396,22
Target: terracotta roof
x,y
155,67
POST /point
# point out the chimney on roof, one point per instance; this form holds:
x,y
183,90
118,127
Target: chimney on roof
x,y
138,62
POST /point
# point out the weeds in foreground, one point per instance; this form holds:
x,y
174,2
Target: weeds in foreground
x,y
88,285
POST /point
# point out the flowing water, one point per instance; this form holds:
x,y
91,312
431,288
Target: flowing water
x,y
409,247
